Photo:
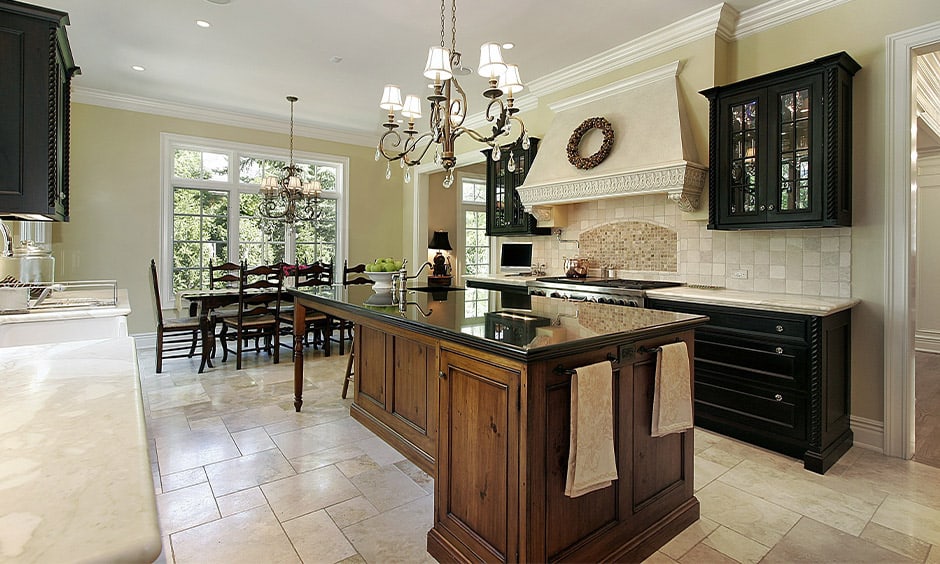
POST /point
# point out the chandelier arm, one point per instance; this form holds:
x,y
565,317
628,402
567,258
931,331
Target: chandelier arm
x,y
270,210
410,145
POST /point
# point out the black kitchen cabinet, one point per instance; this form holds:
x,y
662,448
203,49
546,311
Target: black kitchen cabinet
x,y
777,380
505,214
780,148
511,295
37,68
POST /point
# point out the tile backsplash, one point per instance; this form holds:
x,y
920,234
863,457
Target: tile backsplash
x,y
648,237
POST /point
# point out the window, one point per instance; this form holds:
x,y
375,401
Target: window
x,y
211,211
476,244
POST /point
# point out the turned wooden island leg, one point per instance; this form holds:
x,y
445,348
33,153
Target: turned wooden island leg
x,y
300,326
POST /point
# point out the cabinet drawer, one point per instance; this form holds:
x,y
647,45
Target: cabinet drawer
x,y
755,361
784,325
751,412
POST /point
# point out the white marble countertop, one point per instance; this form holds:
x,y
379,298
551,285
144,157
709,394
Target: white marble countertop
x,y
786,303
508,279
123,307
75,477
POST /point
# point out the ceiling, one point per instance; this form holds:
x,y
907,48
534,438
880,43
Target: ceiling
x,y
337,55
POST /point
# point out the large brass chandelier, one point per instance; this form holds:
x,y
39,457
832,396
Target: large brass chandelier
x,y
287,197
448,108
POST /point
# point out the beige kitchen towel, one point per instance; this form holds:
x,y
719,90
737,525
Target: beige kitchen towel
x,y
592,464
672,394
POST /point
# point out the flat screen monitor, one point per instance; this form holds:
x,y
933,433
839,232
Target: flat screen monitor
x,y
515,258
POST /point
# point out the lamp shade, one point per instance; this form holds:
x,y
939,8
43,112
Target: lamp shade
x,y
412,109
509,81
440,242
391,98
438,65
491,61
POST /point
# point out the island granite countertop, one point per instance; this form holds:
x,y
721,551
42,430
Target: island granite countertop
x,y
764,301
75,479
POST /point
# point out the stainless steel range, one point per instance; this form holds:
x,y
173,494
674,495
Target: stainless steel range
x,y
601,290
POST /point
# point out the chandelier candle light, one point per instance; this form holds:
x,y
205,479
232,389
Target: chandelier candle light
x,y
448,108
287,198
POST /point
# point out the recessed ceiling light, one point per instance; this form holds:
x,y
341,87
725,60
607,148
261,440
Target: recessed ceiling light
x,y
336,59
138,68
508,45
203,23
219,1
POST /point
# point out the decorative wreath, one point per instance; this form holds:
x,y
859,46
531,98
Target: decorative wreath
x,y
574,143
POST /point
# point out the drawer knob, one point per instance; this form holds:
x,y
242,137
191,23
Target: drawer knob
x,y
779,350
441,374
778,397
779,328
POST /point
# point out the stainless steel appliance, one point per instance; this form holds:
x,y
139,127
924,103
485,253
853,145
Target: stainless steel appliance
x,y
615,291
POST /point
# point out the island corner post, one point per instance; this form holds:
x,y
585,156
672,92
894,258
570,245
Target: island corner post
x,y
492,429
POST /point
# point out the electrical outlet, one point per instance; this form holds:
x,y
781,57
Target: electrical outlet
x,y
739,274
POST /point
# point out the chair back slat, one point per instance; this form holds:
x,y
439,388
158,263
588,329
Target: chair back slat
x,y
316,274
258,288
350,270
224,275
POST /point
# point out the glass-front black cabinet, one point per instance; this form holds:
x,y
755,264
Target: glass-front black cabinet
x,y
505,214
780,148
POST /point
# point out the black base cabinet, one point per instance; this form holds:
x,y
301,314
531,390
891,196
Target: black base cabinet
x,y
777,380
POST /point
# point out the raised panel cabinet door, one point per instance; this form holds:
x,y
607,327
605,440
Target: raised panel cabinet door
x,y
477,482
370,367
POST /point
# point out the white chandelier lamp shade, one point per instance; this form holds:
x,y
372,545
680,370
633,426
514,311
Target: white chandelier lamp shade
x,y
391,98
509,81
448,108
491,61
287,197
438,66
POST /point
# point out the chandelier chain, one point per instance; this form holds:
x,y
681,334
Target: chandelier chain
x,y
453,28
291,145
442,24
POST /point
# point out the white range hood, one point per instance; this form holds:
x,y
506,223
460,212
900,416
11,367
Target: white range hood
x,y
652,151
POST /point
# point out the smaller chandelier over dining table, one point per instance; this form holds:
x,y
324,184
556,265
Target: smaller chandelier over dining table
x,y
287,197
448,108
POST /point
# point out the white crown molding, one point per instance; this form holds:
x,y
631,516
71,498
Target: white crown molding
x,y
670,70
771,14
692,28
217,116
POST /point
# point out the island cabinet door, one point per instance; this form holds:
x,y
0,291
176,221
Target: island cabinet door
x,y
396,386
477,486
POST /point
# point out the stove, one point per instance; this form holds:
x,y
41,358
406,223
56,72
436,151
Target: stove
x,y
615,291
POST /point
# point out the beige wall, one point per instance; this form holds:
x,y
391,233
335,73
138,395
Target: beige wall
x,y
927,318
115,198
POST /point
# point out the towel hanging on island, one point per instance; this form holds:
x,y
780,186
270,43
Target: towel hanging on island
x,y
592,464
672,392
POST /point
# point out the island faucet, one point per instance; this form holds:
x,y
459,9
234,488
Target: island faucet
x,y
7,250
401,277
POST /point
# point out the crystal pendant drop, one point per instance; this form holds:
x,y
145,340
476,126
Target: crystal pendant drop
x,y
449,181
497,154
511,165
401,163
525,142
378,155
408,174
437,156
388,171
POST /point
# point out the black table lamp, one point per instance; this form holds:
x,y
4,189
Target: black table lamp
x,y
439,274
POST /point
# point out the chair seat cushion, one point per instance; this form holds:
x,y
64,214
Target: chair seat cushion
x,y
181,324
250,322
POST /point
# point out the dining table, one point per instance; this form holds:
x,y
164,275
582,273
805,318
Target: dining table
x,y
202,302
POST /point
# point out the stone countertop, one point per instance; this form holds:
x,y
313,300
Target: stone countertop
x,y
123,308
785,303
508,279
75,477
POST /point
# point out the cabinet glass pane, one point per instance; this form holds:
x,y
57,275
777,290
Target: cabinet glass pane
x,y
793,150
743,151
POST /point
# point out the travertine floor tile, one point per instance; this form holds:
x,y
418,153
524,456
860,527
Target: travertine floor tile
x,y
745,513
704,554
186,507
248,471
390,537
351,511
183,479
904,545
317,539
734,545
417,475
326,457
256,417
909,518
320,437
379,451
811,541
183,451
387,487
249,536
178,396
241,501
252,440
691,536
307,492
658,558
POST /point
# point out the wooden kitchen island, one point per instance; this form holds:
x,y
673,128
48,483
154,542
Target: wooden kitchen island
x,y
483,405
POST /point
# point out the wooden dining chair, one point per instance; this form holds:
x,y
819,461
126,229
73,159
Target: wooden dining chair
x,y
350,272
315,323
173,335
345,327
258,317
